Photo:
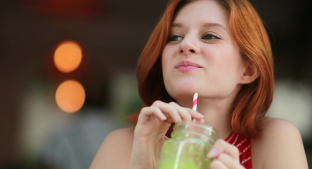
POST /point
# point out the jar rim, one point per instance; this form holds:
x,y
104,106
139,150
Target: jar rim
x,y
197,124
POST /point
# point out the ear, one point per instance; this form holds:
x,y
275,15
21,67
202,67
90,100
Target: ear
x,y
250,73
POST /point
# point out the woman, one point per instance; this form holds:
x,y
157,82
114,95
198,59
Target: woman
x,y
219,49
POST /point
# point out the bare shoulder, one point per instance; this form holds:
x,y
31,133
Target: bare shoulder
x,y
124,133
275,129
115,150
279,145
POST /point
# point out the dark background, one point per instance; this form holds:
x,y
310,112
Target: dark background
x,y
112,33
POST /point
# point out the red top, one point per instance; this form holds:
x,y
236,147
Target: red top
x,y
243,145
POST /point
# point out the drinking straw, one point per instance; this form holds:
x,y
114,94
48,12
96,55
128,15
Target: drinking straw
x,y
195,102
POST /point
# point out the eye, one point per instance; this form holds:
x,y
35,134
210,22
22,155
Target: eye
x,y
209,36
175,38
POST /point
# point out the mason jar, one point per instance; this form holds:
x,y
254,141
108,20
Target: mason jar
x,y
188,146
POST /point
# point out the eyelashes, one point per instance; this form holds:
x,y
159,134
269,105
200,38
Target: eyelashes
x,y
175,38
205,37
209,36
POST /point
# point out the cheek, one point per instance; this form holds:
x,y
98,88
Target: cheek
x,y
169,51
228,66
228,62
224,74
168,57
164,60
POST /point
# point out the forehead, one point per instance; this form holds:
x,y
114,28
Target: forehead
x,y
201,11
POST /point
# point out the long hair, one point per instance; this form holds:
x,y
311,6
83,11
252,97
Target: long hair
x,y
247,29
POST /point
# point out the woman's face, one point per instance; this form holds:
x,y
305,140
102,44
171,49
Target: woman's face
x,y
201,55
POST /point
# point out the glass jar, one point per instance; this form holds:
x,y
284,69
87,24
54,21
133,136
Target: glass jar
x,y
188,147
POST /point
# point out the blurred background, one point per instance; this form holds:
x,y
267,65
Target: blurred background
x,y
67,74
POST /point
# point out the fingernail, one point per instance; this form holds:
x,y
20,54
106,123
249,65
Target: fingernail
x,y
212,153
178,118
199,114
163,117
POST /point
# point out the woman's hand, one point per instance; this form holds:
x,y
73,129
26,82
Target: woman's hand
x,y
226,156
149,133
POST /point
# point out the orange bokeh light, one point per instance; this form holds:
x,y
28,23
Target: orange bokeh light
x,y
70,96
67,56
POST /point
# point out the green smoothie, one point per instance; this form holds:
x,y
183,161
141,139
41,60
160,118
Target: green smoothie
x,y
185,150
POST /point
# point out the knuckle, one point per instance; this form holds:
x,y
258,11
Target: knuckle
x,y
171,106
191,112
235,150
172,109
187,115
220,142
215,164
222,157
173,103
144,109
155,109
224,143
157,102
220,145
148,110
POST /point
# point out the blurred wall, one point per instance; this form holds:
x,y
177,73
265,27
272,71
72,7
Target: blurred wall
x,y
112,34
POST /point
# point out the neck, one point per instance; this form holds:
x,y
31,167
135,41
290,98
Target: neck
x,y
216,111
217,115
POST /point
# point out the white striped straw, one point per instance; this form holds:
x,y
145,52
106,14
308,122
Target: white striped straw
x,y
195,102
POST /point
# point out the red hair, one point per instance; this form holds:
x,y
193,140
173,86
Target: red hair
x,y
247,29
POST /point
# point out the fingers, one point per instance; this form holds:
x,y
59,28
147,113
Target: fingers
x,y
146,112
178,113
181,111
185,113
196,115
225,156
227,161
222,146
171,112
217,164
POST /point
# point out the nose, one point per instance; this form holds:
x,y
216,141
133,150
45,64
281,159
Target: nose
x,y
188,46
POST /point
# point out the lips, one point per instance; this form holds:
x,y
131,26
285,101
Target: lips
x,y
187,63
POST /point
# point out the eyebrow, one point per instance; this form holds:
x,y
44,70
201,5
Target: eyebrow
x,y
205,25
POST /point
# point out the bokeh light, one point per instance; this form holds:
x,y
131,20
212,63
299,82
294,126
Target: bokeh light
x,y
67,56
70,96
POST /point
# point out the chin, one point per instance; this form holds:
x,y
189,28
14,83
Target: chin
x,y
184,90
182,87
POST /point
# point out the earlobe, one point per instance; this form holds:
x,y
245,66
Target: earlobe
x,y
250,74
